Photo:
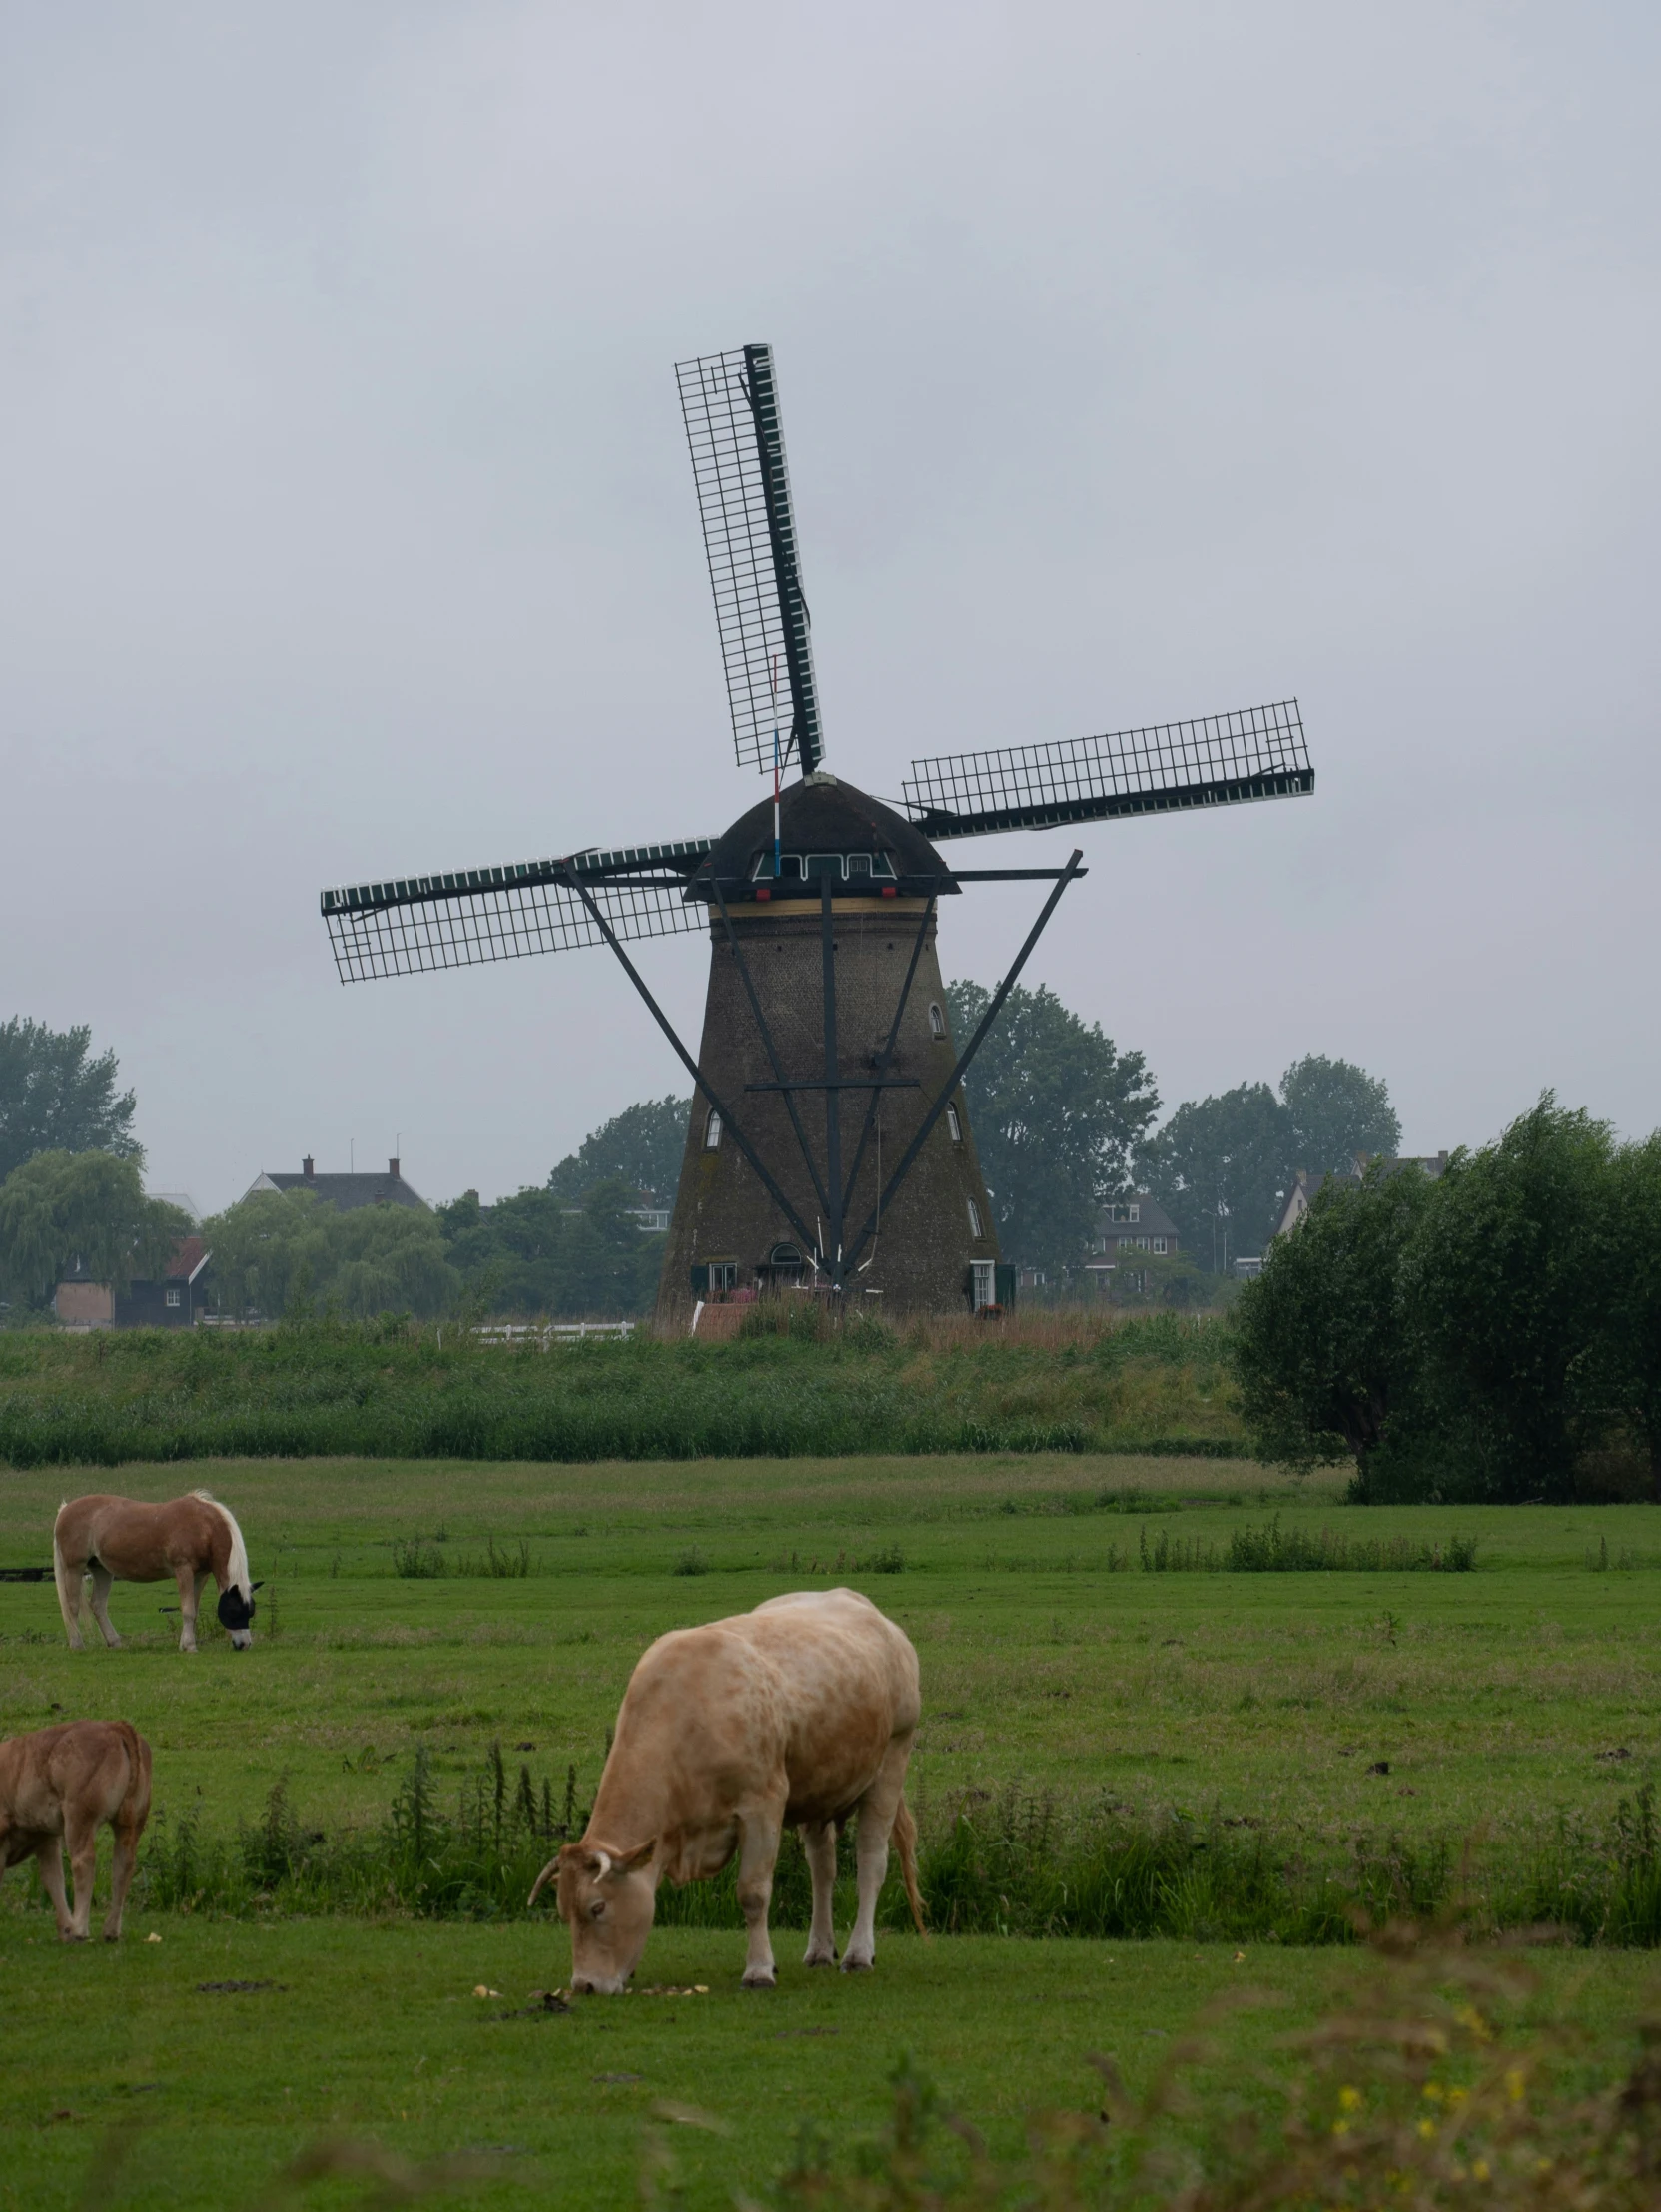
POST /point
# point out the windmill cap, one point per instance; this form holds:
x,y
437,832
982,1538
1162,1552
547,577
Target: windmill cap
x,y
820,814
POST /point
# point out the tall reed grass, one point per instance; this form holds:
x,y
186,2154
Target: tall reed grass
x,y
1017,1863
400,1390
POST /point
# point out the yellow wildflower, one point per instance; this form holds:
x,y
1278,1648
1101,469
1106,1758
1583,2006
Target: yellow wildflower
x,y
1349,2101
1435,2091
1480,2170
1515,2085
1427,2129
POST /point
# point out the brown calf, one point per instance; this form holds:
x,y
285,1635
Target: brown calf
x,y
59,1787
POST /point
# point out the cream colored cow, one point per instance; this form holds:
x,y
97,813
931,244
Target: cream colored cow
x,y
799,1715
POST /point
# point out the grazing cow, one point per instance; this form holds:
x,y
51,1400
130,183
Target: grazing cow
x,y
800,1713
59,1787
192,1539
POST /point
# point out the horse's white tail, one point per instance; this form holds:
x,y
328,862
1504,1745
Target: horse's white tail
x,y
68,1586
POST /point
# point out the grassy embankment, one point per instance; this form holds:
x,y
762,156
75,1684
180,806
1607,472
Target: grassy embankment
x,y
1046,1384
1230,1718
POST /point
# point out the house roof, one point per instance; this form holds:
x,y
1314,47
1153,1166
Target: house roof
x,y
346,1192
189,1256
1151,1218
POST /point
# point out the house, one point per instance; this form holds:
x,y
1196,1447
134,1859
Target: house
x,y
1130,1227
345,1192
177,1300
174,1300
1306,1182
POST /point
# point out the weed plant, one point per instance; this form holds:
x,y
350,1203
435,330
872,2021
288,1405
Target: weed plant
x,y
1418,2091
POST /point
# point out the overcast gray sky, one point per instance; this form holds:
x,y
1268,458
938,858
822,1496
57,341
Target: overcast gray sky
x,y
1138,361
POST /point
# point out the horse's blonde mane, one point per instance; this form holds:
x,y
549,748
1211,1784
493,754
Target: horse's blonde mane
x,y
236,1567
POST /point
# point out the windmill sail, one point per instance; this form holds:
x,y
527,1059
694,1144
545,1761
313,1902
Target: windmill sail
x,y
1219,760
417,922
730,405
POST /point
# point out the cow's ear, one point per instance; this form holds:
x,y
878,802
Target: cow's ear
x,y
630,1862
253,1586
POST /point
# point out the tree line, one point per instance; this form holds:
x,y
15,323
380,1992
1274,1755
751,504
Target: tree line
x,y
1492,1333
1065,1121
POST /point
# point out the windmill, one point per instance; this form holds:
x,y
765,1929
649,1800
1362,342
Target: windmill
x,y
829,1145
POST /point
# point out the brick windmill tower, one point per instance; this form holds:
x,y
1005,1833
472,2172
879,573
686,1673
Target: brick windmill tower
x,y
829,1147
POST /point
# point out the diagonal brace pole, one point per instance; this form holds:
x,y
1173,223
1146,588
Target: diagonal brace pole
x,y
767,1041
833,1093
888,1055
966,1055
662,1020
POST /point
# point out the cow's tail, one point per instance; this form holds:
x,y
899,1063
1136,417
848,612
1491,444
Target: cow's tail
x,y
134,1808
905,1842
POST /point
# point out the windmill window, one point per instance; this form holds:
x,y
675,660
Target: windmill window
x,y
790,863
974,1218
824,864
712,1132
954,1124
936,1021
982,1284
723,1275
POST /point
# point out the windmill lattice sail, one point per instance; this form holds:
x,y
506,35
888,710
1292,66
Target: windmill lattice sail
x,y
416,923
1217,760
730,405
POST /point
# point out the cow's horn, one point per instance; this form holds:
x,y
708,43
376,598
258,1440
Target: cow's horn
x,y
604,1867
552,1867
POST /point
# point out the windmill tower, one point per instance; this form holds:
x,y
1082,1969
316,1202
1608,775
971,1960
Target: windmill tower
x,y
829,1147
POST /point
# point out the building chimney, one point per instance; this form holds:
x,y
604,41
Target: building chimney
x,y
392,1170
308,1168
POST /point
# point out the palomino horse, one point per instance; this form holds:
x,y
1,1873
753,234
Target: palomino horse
x,y
191,1539
60,1785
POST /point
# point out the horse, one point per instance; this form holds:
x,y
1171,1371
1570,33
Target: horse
x,y
60,1785
191,1539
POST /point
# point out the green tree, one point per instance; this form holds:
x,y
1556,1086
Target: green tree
x,y
58,1208
1513,1297
1219,1168
533,1255
286,1253
54,1097
1321,1345
1056,1109
1621,1380
1337,1110
641,1146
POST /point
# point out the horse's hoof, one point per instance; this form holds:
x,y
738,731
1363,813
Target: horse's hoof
x,y
820,1959
858,1965
761,1982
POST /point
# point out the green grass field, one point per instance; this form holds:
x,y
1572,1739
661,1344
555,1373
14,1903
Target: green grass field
x,y
1050,1660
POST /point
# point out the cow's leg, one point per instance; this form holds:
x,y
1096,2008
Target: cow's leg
x,y
121,1875
190,1591
103,1582
820,1845
759,1831
876,1823
50,1860
81,1838
70,1580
